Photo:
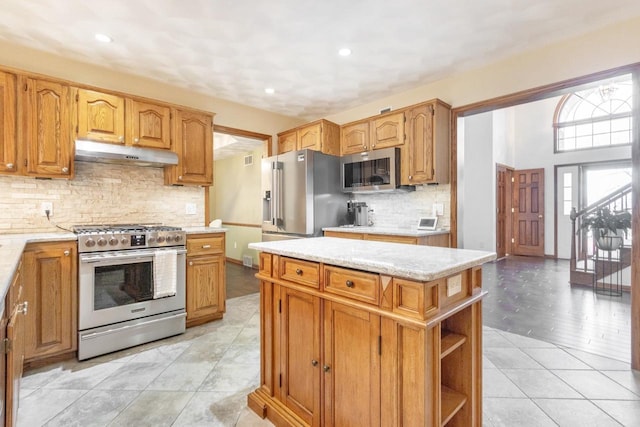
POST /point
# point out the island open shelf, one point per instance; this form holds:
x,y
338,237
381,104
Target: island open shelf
x,y
351,338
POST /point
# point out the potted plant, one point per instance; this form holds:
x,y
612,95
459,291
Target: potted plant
x,y
607,227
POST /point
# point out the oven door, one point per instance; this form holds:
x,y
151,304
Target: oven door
x,y
118,286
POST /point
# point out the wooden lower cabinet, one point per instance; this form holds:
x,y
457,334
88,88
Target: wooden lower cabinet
x,y
330,360
50,277
13,325
440,240
206,284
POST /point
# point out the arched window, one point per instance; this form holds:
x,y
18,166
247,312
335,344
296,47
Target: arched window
x,y
595,117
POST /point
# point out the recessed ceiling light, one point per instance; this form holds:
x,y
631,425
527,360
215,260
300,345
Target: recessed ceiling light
x,y
345,51
103,38
270,90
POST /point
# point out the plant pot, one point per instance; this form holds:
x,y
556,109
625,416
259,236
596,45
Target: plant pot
x,y
607,240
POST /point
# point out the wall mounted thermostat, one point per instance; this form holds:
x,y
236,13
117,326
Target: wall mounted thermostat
x,y
428,223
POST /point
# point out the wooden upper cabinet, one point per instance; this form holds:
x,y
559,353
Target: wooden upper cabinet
x,y
287,141
8,139
387,131
354,137
149,125
100,117
310,137
46,127
425,156
193,139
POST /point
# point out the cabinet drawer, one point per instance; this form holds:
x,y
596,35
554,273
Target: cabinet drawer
x,y
391,238
357,285
205,245
301,272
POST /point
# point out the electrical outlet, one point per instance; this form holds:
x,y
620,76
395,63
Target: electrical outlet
x,y
190,208
46,206
438,209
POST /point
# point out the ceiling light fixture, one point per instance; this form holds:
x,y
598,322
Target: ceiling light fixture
x,y
345,51
103,38
270,90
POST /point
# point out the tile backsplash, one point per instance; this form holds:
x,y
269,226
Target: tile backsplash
x,y
402,210
99,194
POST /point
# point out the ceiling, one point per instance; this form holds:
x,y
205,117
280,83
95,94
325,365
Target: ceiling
x,y
234,49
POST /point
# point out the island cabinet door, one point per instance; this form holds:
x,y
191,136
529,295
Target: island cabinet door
x,y
300,357
351,366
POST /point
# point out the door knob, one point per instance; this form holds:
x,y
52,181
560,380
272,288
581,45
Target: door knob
x,y
9,165
539,216
314,362
25,307
349,284
326,368
136,140
299,272
65,169
66,253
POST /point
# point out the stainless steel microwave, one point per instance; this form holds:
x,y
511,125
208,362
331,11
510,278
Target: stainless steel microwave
x,y
372,171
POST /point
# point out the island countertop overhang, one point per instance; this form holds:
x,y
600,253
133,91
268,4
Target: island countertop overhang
x,y
420,263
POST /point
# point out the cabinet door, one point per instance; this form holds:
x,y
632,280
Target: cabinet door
x,y
50,289
205,286
420,154
287,142
100,117
150,125
193,139
8,141
354,138
387,131
15,362
310,137
300,355
351,366
46,127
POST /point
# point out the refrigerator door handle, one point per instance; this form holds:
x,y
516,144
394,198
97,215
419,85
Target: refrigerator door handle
x,y
274,190
278,201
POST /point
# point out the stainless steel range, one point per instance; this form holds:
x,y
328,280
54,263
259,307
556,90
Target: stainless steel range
x,y
131,286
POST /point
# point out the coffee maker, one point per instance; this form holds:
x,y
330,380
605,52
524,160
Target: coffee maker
x,y
357,213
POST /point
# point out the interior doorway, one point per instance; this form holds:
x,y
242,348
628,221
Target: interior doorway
x,y
504,197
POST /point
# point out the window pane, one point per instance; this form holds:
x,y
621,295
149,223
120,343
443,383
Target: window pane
x,y
567,207
583,141
567,193
619,138
601,140
602,127
582,130
566,179
621,124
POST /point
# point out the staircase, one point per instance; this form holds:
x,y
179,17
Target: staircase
x,y
583,269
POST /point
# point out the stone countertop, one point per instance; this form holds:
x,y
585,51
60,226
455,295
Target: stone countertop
x,y
11,248
421,263
203,230
408,232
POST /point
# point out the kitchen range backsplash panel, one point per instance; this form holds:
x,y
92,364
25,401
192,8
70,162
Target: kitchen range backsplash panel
x,y
99,194
402,210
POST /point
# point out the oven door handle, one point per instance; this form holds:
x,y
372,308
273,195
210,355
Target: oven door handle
x,y
93,258
122,328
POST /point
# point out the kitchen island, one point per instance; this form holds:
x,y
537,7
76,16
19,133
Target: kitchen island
x,y
369,333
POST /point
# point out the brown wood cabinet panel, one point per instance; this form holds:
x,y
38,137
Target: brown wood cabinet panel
x,y
391,238
355,137
353,284
100,117
351,366
302,272
150,125
387,131
439,240
206,245
354,236
193,139
205,288
287,141
50,275
8,122
46,128
310,137
300,358
14,365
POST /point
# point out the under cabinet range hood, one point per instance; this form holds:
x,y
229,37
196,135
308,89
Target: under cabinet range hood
x,y
90,151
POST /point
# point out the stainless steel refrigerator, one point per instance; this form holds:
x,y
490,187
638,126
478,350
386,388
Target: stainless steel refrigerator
x,y
301,194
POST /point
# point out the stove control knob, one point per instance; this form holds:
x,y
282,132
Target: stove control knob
x,y
102,241
160,239
124,240
151,239
113,241
177,238
89,242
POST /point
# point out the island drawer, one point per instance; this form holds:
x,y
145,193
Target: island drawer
x,y
302,272
205,245
357,285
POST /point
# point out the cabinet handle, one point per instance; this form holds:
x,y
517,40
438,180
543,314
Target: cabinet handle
x,y
9,165
410,177
65,169
206,246
25,308
66,253
180,178
364,146
314,362
326,368
121,138
350,284
190,262
136,140
299,272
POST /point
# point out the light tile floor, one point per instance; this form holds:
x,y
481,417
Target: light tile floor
x,y
203,377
